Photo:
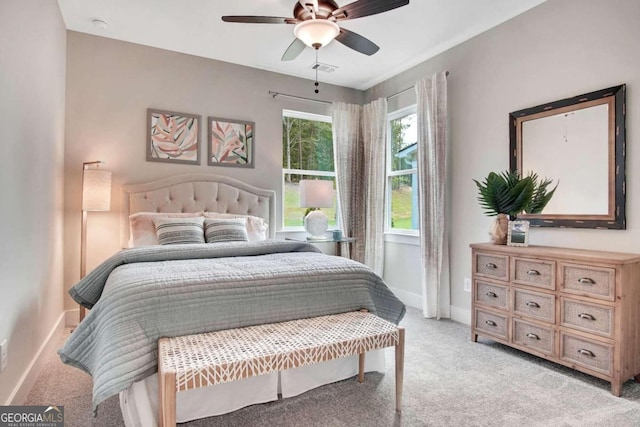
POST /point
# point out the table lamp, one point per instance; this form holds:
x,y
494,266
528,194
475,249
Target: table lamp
x,y
316,194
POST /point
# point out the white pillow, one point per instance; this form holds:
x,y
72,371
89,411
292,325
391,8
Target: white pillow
x,y
225,230
176,231
142,229
256,227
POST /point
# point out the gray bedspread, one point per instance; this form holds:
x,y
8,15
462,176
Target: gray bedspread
x,y
142,294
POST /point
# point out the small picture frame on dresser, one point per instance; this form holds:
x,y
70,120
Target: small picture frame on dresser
x,y
518,233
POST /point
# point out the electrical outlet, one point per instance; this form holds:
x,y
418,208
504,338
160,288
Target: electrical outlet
x,y
467,284
3,355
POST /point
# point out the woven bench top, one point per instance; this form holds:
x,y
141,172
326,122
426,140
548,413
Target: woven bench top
x,y
223,356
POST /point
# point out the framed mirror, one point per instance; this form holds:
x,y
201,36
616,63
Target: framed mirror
x,y
579,143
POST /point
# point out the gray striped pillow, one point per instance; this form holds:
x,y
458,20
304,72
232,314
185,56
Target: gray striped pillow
x,y
225,230
175,231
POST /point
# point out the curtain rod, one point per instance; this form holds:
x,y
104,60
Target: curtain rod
x,y
321,101
407,89
301,98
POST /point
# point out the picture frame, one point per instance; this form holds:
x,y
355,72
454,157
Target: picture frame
x,y
518,234
230,143
173,137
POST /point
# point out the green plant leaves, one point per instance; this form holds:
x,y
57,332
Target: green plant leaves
x,y
507,193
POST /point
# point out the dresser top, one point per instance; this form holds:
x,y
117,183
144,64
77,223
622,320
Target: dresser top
x,y
557,252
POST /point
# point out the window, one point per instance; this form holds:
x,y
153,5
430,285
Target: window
x,y
402,172
307,153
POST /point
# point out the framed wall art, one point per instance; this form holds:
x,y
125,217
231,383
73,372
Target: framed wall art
x,y
231,143
173,137
518,234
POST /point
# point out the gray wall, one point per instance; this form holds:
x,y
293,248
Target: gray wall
x,y
110,86
559,49
32,93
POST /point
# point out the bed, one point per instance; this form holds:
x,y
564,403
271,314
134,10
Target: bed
x,y
156,290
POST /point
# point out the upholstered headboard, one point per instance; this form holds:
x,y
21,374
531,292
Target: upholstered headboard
x,y
197,193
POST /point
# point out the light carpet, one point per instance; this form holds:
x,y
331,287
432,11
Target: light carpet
x,y
449,381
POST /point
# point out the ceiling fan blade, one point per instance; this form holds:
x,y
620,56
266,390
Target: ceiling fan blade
x,y
361,8
259,19
356,42
294,49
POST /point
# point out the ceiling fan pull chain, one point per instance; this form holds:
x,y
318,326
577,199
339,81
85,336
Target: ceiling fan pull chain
x,y
316,83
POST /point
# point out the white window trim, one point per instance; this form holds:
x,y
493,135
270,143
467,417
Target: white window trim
x,y
304,116
412,109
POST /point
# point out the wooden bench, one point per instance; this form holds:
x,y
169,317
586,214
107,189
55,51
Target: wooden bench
x,y
200,360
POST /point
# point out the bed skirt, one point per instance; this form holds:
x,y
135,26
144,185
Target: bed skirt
x,y
139,402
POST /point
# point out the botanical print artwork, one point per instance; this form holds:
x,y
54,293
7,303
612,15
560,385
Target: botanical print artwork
x,y
230,143
173,137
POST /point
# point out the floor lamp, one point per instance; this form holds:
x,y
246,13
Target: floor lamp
x,y
96,197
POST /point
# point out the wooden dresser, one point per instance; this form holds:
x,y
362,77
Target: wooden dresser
x,y
575,307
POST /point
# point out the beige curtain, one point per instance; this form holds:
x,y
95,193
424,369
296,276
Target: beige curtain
x,y
374,137
347,151
432,177
359,138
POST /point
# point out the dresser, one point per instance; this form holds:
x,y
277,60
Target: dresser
x,y
575,307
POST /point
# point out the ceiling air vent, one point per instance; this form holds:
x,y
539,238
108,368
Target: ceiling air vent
x,y
325,68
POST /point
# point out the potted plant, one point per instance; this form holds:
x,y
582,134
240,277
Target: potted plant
x,y
506,194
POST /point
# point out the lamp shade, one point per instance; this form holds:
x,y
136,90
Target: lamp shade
x,y
316,194
96,190
316,32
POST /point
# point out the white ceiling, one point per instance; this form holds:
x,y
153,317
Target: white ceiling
x,y
406,36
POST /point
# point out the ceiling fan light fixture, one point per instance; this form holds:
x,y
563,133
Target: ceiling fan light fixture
x,y
316,32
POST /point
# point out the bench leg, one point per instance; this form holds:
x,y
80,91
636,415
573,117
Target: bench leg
x,y
361,368
399,369
167,403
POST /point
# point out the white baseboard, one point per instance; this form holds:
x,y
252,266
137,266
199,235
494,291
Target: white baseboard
x,y
462,315
408,298
21,390
72,318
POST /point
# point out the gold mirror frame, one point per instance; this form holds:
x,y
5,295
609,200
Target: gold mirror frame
x,y
615,98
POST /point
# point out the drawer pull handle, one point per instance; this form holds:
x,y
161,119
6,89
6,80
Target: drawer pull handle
x,y
586,316
533,336
491,323
533,272
586,281
585,352
491,265
533,304
492,294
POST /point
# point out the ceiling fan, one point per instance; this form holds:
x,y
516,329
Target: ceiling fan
x,y
316,24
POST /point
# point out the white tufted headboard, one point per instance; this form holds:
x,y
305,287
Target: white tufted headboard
x,y
197,193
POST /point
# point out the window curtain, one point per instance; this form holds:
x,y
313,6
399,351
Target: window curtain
x,y
359,138
374,137
347,152
432,191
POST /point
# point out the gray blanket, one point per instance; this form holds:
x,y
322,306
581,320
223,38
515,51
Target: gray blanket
x,y
142,294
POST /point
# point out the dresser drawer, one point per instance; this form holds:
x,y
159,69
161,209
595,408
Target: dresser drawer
x,y
598,282
492,295
587,353
534,304
491,323
495,266
531,272
587,317
533,336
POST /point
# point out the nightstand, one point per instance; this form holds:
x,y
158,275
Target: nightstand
x,y
320,244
